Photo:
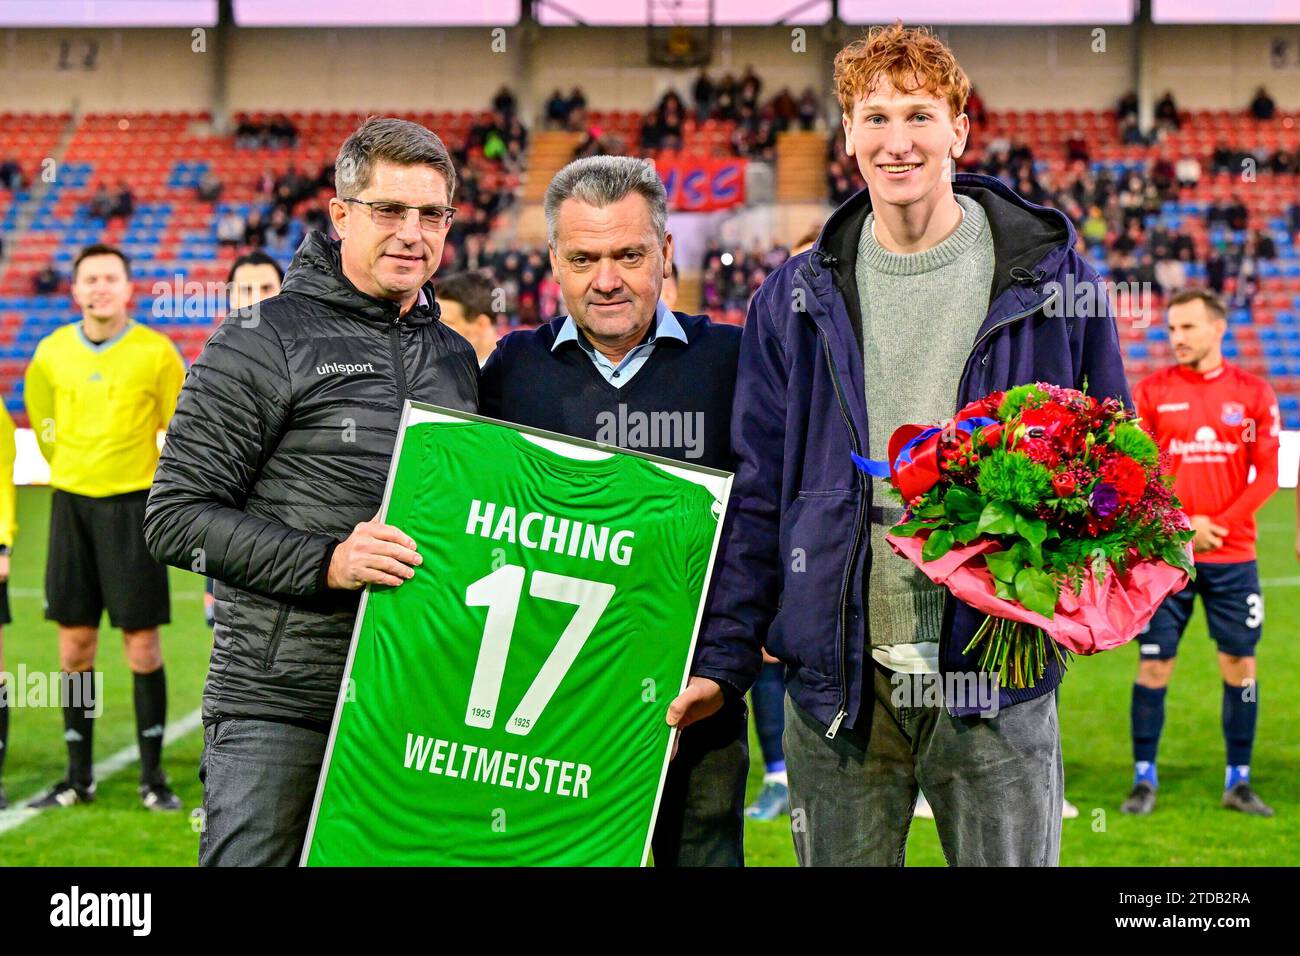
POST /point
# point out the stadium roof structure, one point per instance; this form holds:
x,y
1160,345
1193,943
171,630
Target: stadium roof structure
x,y
1224,11
108,13
389,13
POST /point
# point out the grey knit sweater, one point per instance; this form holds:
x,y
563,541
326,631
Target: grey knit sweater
x,y
920,314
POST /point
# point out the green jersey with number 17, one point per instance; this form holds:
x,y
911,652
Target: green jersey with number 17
x,y
505,706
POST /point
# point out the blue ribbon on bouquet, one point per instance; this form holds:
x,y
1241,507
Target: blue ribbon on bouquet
x,y
881,469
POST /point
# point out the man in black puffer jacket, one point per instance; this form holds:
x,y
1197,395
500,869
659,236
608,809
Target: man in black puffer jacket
x,y
276,461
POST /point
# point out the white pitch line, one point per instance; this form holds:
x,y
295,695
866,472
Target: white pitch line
x,y
18,814
1280,582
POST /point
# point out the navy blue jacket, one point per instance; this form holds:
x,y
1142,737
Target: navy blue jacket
x,y
796,552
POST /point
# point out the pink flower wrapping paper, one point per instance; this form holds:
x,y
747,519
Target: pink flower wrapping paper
x,y
1105,614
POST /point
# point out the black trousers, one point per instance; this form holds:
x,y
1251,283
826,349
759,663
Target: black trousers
x,y
702,813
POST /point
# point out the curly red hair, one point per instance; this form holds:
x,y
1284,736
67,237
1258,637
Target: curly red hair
x,y
913,59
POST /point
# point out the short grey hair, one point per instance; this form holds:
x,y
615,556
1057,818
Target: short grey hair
x,y
602,180
389,140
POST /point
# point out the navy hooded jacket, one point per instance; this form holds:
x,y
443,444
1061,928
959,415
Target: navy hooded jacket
x,y
795,553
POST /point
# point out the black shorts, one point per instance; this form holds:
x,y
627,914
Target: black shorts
x,y
1234,611
98,559
4,603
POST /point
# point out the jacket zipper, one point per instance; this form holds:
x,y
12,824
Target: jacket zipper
x,y
842,712
961,385
277,633
399,372
946,634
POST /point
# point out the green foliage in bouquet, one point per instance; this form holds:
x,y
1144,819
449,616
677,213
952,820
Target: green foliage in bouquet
x,y
1014,399
1133,441
1013,478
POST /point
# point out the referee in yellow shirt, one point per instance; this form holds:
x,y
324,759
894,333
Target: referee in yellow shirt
x,y
98,392
8,526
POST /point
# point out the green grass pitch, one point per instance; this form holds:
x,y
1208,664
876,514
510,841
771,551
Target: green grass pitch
x,y
1187,829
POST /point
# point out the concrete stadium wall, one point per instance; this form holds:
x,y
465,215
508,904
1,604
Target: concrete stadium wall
x,y
367,69
1014,67
1026,67
1221,67
132,70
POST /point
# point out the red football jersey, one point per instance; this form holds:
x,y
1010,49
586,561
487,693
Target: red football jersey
x,y
1215,426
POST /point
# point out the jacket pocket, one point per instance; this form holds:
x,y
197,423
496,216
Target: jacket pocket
x,y
814,541
277,633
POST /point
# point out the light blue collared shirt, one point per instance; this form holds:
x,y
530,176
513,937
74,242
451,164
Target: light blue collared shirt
x,y
665,326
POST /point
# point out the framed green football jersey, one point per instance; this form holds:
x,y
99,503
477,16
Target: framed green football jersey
x,y
505,706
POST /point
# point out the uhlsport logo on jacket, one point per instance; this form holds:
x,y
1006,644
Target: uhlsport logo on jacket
x,y
343,368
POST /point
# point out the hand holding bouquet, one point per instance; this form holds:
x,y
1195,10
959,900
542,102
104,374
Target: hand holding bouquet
x,y
1046,509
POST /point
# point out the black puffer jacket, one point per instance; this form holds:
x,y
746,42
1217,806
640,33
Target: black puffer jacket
x,y
280,445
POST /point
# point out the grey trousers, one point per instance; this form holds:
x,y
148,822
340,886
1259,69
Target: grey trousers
x,y
995,784
259,782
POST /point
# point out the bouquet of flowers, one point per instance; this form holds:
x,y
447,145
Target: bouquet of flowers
x,y
1048,510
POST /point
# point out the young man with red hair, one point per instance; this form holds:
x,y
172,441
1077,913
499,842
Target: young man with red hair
x,y
924,292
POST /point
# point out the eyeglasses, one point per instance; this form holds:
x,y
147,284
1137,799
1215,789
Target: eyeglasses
x,y
391,215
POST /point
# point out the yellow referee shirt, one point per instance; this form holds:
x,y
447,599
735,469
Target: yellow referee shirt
x,y
8,497
97,408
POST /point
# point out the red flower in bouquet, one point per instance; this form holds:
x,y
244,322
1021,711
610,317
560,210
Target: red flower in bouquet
x,y
986,407
1096,413
1063,485
1128,478
1054,422
1040,450
1095,527
991,435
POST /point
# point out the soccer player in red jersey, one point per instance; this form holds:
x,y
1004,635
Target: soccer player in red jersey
x,y
1217,422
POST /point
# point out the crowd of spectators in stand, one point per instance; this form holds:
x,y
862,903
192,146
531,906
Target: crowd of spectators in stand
x,y
293,203
502,139
108,205
11,175
731,277
731,99
843,178
530,293
47,281
1110,210
740,100
286,207
276,133
565,112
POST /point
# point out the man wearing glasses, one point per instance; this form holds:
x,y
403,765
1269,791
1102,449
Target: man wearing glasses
x,y
275,464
